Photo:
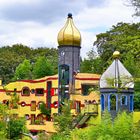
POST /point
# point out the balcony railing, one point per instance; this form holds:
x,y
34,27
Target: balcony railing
x,y
91,109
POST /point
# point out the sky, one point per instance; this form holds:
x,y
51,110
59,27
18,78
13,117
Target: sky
x,y
36,23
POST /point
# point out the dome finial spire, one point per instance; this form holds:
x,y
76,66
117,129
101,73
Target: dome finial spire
x,y
116,54
69,35
69,15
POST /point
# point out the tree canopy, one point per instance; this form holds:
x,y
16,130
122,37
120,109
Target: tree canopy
x,y
13,56
125,38
23,71
42,67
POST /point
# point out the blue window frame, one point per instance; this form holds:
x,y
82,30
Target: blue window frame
x,y
112,102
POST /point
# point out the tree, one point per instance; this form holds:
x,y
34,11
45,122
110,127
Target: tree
x,y
45,111
63,123
51,55
92,65
123,37
3,121
8,63
12,56
136,4
42,67
23,71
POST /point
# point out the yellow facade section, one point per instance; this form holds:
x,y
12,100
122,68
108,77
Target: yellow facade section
x,y
136,117
24,102
48,127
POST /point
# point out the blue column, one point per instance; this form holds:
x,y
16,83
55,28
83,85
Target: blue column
x,y
108,102
102,102
131,103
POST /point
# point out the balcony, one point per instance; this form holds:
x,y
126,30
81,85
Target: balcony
x,y
90,109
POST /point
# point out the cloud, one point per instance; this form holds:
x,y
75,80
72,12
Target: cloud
x,y
36,23
44,11
93,21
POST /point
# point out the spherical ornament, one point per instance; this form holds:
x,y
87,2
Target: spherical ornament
x,y
23,104
116,54
69,15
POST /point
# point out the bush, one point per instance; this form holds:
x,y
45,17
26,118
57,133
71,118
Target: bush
x,y
122,128
14,128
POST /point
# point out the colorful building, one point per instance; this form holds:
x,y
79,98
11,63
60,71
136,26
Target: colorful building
x,y
24,97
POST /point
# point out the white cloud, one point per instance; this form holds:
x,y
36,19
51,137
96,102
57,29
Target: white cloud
x,y
90,21
93,21
7,2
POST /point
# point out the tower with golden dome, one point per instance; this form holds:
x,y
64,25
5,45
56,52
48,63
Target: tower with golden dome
x,y
69,40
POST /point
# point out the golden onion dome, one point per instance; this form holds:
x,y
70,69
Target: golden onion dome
x,y
116,54
69,34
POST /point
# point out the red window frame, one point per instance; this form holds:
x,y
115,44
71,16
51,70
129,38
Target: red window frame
x,y
23,94
36,94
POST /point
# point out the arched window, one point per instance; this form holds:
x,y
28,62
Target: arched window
x,y
39,104
113,102
102,102
25,91
40,119
124,100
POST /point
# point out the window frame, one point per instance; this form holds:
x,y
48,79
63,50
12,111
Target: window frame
x,y
23,94
36,94
86,84
109,102
39,103
31,106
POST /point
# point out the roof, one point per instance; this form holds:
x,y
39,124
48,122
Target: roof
x,y
116,76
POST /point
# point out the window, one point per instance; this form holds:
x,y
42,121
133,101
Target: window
x,y
56,91
32,118
86,89
40,91
32,91
27,116
6,102
64,74
124,100
39,119
78,104
112,102
33,106
39,104
25,91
